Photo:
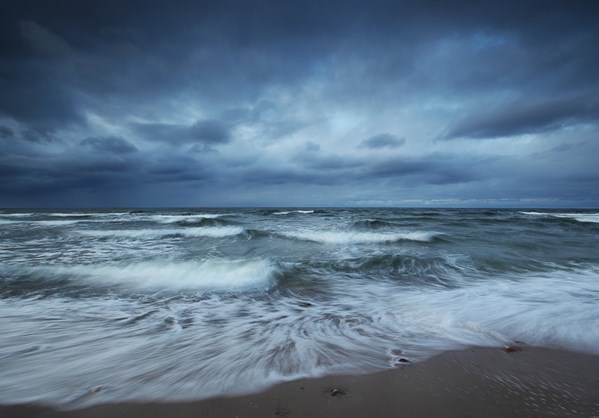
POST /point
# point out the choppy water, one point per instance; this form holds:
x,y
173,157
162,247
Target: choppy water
x,y
186,304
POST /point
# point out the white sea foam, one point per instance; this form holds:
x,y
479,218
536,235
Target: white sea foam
x,y
58,222
210,274
90,214
167,219
55,223
351,237
190,348
580,217
557,309
208,231
293,211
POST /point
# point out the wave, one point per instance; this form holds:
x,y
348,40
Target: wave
x,y
61,222
580,217
210,232
210,274
57,222
16,215
550,309
372,224
168,219
346,237
293,211
218,222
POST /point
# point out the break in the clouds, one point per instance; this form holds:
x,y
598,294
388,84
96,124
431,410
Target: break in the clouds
x,y
269,103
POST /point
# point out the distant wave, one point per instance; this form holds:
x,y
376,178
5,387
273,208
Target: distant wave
x,y
61,222
346,237
293,211
211,232
167,219
580,217
372,224
210,274
195,222
58,222
16,215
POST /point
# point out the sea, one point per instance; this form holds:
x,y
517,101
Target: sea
x,y
181,304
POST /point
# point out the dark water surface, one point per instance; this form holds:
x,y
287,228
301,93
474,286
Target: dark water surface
x,y
186,304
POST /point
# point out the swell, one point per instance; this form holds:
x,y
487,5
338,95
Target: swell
x,y
372,224
201,222
359,237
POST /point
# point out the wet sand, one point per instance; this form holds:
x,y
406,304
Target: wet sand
x,y
478,382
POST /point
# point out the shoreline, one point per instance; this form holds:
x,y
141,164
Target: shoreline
x,y
533,381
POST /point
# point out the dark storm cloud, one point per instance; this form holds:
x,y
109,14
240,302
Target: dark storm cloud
x,y
110,144
236,77
382,141
527,118
6,132
326,162
209,132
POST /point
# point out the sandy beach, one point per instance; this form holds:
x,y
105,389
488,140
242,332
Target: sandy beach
x,y
468,383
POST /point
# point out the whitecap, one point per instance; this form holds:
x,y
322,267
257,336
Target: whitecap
x,y
209,274
293,211
346,237
167,219
55,223
580,217
208,231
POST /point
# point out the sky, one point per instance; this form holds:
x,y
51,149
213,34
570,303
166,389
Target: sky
x,y
299,103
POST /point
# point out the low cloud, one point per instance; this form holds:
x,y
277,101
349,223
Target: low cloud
x,y
210,132
384,140
529,118
207,133
6,132
111,144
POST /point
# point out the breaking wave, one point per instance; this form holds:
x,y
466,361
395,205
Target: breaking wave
x,y
580,217
293,211
346,237
210,274
208,231
168,219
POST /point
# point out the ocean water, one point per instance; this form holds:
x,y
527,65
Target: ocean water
x,y
188,304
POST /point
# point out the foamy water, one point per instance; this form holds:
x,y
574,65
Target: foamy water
x,y
187,305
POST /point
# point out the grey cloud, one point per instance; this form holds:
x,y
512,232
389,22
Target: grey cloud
x,y
435,169
532,117
111,144
273,71
328,162
210,132
384,140
42,39
42,136
6,132
312,147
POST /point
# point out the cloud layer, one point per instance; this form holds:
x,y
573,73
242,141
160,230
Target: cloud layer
x,y
268,103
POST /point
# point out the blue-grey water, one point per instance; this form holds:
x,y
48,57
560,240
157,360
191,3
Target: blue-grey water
x,y
187,304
